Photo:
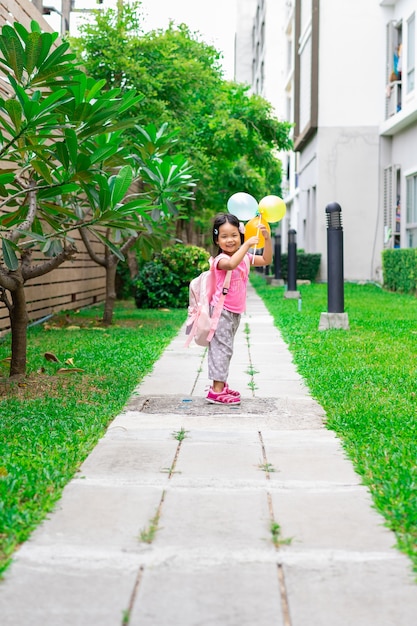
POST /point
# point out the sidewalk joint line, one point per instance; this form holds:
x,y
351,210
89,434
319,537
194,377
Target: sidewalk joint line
x,y
251,370
128,612
284,596
200,369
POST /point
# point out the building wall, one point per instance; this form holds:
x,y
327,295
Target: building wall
x,y
348,170
346,135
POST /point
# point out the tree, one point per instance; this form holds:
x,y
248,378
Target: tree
x,y
229,136
163,182
60,143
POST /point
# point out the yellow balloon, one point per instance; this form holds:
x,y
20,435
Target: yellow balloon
x,y
272,208
251,230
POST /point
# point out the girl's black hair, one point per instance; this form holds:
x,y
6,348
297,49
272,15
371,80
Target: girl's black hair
x,y
221,219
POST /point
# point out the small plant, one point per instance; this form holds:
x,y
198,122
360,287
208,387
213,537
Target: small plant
x,y
277,540
126,617
147,535
180,435
267,467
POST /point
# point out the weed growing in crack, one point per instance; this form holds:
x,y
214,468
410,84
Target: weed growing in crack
x,y
277,540
180,435
267,467
147,535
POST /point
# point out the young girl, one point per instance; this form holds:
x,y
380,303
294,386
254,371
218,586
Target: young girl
x,y
228,235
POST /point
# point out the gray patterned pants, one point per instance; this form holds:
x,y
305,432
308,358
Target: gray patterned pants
x,y
221,346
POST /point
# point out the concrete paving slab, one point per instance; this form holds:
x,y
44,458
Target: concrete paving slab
x,y
343,593
78,517
224,520
58,594
128,458
227,595
341,519
307,456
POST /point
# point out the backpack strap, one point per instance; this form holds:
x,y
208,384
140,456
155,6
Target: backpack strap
x,y
217,311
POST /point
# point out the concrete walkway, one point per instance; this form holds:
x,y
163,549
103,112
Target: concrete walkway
x,y
210,488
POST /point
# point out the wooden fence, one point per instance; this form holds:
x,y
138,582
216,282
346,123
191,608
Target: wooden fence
x,y
75,283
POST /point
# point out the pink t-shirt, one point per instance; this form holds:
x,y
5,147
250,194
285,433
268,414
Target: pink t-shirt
x,y
235,300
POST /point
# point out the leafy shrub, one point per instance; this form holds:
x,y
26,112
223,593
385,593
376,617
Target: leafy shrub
x,y
164,282
308,265
400,270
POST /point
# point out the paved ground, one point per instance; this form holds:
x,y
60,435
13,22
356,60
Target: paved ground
x,y
210,487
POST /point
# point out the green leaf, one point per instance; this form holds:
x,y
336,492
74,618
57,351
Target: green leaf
x,y
42,169
101,154
21,30
72,145
62,153
14,110
14,56
35,28
33,50
99,84
9,255
109,244
120,184
6,178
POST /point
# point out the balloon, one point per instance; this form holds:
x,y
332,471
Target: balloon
x,y
251,230
272,208
243,205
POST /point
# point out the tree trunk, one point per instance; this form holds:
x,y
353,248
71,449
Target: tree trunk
x,y
19,322
111,266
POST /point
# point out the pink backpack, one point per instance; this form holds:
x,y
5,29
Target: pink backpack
x,y
200,326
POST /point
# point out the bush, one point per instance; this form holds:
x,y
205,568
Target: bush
x,y
164,282
308,266
400,270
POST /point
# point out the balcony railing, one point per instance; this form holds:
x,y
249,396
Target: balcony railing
x,y
393,98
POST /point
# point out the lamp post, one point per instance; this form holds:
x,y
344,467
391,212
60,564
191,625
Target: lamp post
x,y
335,316
277,256
291,291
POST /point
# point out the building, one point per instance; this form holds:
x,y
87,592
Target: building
x,y
339,77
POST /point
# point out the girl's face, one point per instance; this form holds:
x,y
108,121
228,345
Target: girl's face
x,y
229,238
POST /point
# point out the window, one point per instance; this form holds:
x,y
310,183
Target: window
x,y
411,226
411,52
392,207
393,68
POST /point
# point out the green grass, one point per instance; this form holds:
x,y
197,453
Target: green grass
x,y
49,424
365,378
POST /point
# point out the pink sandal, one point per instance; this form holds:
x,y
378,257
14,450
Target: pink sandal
x,y
222,397
231,392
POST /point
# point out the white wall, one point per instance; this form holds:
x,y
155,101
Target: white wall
x,y
351,63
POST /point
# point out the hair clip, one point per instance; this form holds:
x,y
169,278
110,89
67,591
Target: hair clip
x,y
241,228
215,231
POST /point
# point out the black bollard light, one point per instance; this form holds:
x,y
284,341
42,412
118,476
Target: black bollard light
x,y
292,260
277,256
335,280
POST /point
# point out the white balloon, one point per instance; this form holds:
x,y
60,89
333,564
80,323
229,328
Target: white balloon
x,y
243,205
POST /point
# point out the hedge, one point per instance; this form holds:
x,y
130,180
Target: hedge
x,y
400,269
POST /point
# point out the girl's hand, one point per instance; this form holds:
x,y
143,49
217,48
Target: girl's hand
x,y
265,232
252,241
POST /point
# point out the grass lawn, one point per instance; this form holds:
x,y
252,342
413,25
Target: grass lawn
x,y
51,421
365,378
